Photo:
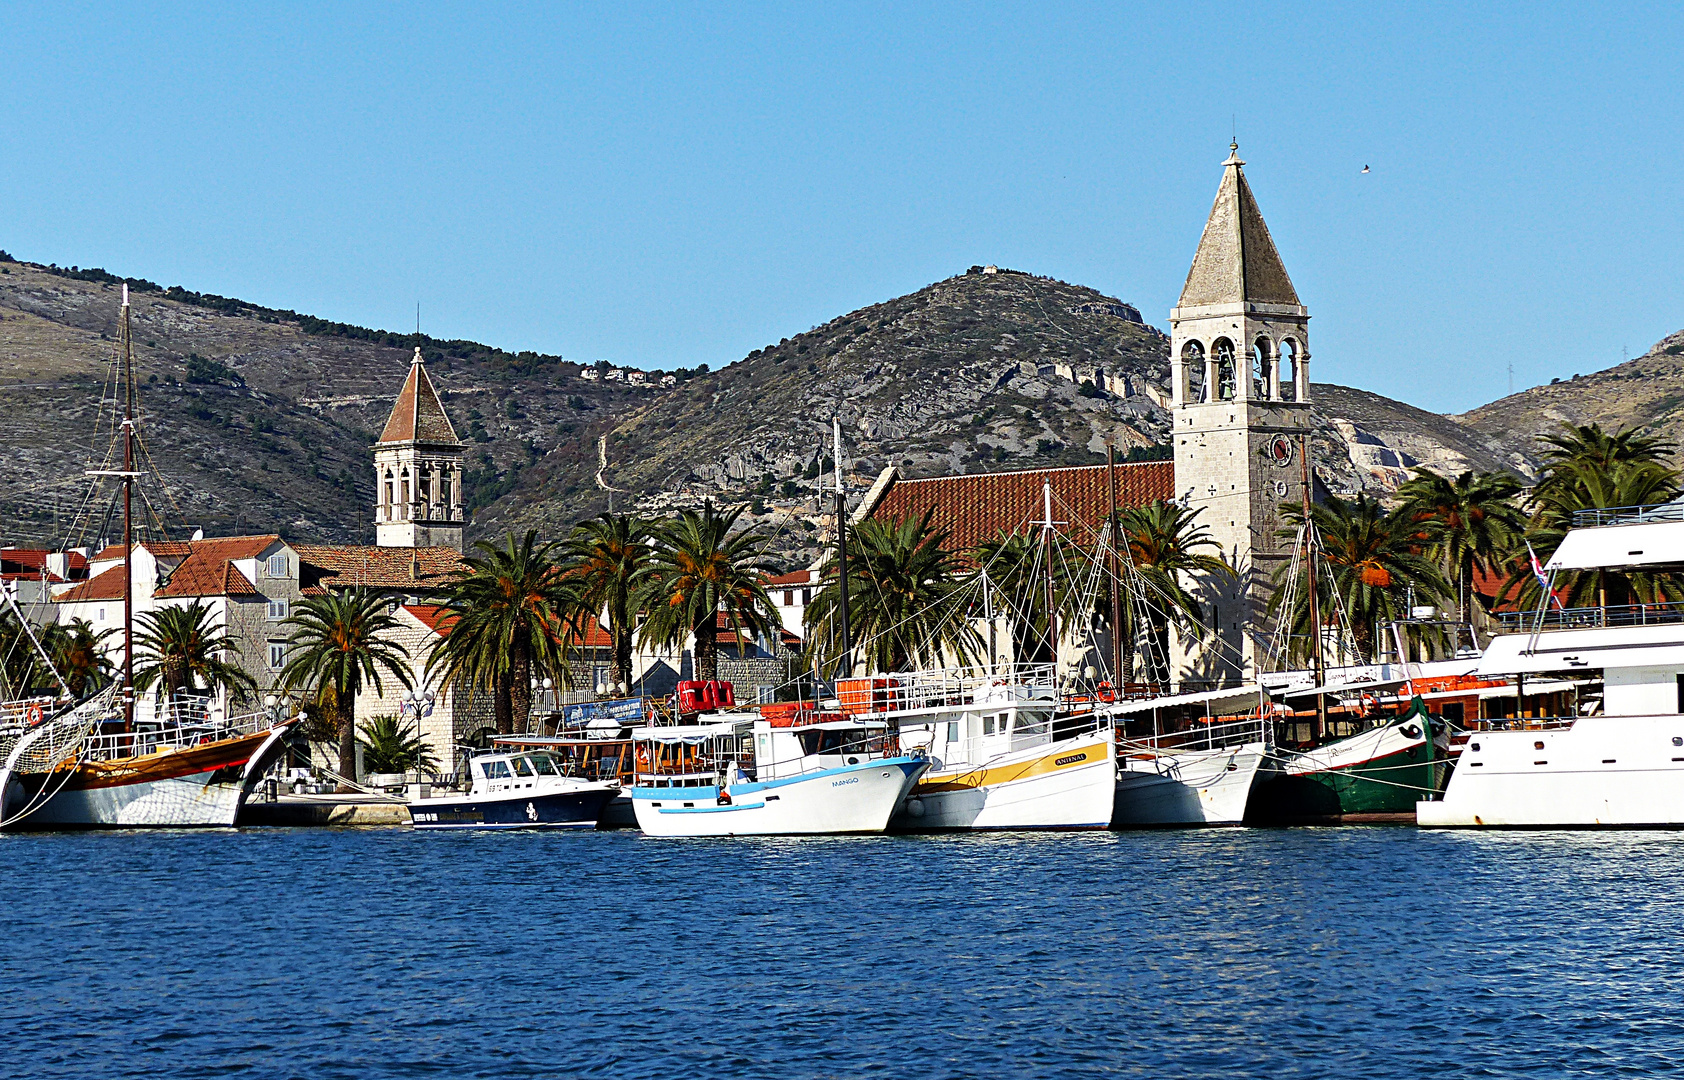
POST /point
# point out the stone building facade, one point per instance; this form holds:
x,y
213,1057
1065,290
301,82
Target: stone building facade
x,y
418,470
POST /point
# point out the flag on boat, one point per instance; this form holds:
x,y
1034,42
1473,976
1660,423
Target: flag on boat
x,y
1538,572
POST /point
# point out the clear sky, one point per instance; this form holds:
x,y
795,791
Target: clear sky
x,y
664,185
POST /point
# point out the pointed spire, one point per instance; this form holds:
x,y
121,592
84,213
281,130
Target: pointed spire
x,y
419,416
1236,262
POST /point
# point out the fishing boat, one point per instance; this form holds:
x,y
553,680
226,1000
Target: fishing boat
x,y
1566,761
728,774
1189,759
171,763
1377,773
532,790
999,757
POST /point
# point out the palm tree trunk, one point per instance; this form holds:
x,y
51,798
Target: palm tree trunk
x,y
707,649
347,736
520,689
504,707
622,654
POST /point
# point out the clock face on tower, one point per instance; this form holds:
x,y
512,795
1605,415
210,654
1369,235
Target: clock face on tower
x,y
1279,451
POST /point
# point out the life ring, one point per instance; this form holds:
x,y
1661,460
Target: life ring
x,y
35,714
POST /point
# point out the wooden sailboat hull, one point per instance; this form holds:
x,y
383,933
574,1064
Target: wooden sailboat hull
x,y
199,786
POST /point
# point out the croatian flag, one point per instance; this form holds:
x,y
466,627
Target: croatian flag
x,y
1538,572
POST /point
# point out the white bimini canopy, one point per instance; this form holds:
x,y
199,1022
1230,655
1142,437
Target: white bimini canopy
x,y
1650,543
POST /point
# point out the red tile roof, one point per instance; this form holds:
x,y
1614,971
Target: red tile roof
x,y
794,577
218,547
36,558
350,565
418,416
977,507
107,585
435,617
204,573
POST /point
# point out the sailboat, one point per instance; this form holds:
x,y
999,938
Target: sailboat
x,y
1383,761
97,766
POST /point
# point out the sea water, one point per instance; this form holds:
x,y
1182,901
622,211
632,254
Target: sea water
x,y
1356,952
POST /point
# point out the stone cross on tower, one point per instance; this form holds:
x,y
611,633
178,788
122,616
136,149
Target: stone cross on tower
x,y
418,470
1240,400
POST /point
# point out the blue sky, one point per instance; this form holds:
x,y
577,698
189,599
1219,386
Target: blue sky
x,y
666,185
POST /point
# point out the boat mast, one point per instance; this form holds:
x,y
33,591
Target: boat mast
x,y
1046,543
1117,675
1319,731
128,519
845,668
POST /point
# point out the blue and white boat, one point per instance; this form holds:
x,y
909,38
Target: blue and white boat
x,y
730,775
517,791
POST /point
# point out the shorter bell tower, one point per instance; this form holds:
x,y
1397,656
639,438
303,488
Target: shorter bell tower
x,y
1240,402
418,470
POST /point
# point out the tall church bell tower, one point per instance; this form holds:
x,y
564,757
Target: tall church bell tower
x,y
418,470
1240,401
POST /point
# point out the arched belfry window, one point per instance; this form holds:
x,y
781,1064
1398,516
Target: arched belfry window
x,y
1222,351
1288,362
1193,370
1262,359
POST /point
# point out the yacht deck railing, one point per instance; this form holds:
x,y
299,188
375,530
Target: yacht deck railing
x,y
1628,515
1587,618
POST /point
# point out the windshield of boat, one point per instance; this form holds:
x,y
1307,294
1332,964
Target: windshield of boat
x,y
545,764
522,766
494,770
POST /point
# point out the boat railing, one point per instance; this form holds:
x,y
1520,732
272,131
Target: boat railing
x,y
927,688
29,712
1199,735
175,729
1517,723
1627,515
1589,618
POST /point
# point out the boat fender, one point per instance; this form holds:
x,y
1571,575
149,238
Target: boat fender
x,y
915,808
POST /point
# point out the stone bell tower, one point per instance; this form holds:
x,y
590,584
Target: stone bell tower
x,y
418,470
1240,401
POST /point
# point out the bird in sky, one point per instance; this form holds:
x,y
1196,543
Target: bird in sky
x,y
1365,168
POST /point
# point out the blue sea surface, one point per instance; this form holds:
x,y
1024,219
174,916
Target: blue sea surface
x,y
1355,952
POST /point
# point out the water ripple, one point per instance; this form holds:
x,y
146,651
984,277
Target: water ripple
x,y
1302,953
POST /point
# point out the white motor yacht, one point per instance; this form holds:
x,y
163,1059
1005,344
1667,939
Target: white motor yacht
x,y
1621,765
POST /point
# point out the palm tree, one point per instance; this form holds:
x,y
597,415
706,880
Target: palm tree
x,y
181,650
78,655
21,671
699,569
604,557
903,591
340,643
1167,548
391,745
1370,562
1014,566
1572,485
1469,523
510,608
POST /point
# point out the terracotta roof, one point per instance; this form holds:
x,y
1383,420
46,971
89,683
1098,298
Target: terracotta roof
x,y
206,573
435,617
218,547
36,558
350,565
794,577
1236,261
418,416
103,586
979,506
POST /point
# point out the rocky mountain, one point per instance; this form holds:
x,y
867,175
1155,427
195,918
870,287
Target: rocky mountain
x,y
258,419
